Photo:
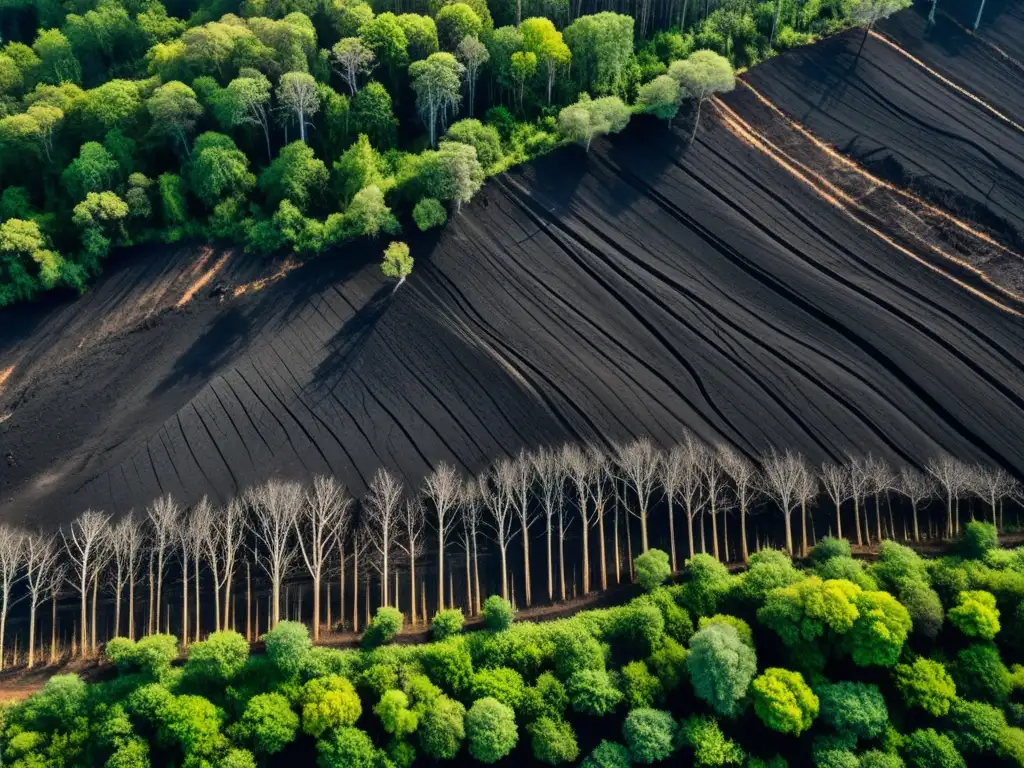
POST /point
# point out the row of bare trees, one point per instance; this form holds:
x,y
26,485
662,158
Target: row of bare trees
x,y
315,533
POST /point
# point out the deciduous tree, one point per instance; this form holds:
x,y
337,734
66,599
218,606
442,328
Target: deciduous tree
x,y
702,75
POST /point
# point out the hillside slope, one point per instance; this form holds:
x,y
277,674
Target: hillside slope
x,y
736,286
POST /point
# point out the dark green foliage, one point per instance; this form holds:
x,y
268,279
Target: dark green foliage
x,y
678,625
977,539
927,748
429,213
980,674
896,565
855,708
707,580
591,692
268,724
497,613
448,665
668,664
387,623
650,735
442,728
877,759
296,175
741,627
553,741
287,646
446,623
371,114
977,728
830,547
639,687
491,730
652,568
925,608
346,748
608,754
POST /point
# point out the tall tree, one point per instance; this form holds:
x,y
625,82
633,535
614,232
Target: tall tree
x,y
42,558
473,55
472,505
836,479
637,464
860,481
163,516
603,473
702,75
522,480
84,541
382,511
992,485
12,558
714,485
175,111
275,506
297,91
412,546
690,451
498,498
437,81
580,471
917,487
542,39
443,487
744,482
250,102
806,492
781,480
317,527
188,538
547,468
353,58
127,540
952,476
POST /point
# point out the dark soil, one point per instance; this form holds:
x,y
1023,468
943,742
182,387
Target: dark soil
x,y
648,286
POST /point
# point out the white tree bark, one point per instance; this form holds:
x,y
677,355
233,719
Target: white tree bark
x,y
275,506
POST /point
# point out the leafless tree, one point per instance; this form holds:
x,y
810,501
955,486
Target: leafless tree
x,y
163,517
317,527
42,558
443,487
471,505
781,480
807,493
689,451
412,545
548,470
860,482
382,510
992,485
881,478
671,477
714,485
498,498
12,558
952,476
84,543
836,479
637,463
360,548
126,540
101,559
54,586
521,468
598,494
917,487
744,479
275,507
580,471
220,532
189,540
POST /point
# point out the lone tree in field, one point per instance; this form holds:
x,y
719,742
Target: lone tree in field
x,y
397,263
443,487
322,519
275,506
638,464
702,75
12,555
84,542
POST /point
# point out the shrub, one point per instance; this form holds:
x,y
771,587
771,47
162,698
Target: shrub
x,y
783,701
925,608
639,687
979,673
505,685
498,613
576,650
395,715
446,623
880,630
442,728
429,213
708,581
896,565
978,539
849,569
741,627
651,569
491,730
877,759
346,747
926,748
268,724
608,754
857,708
387,622
649,734
287,646
976,614
152,655
668,664
553,741
830,547
328,703
721,667
484,138
709,744
448,665
977,728
591,692
218,659
767,570
678,625
926,684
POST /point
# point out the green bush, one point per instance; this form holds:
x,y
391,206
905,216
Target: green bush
x,y
395,715
707,582
152,655
710,746
346,747
429,213
503,684
446,624
783,701
926,748
979,673
328,703
650,735
855,708
591,692
448,665
977,728
978,539
976,614
639,687
219,659
491,730
287,646
387,622
553,741
741,627
652,568
926,684
830,547
498,613
608,754
678,625
668,664
442,729
721,667
925,608
268,724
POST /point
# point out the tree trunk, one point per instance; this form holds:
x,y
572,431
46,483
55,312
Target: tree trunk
x,y
316,607
803,528
643,530
31,635
561,560
95,599
856,519
618,549
526,564
696,120
839,523
743,533
151,605
184,600
917,533
714,530
412,591
931,13
195,582
476,577
131,607
440,571
789,532
977,19
248,602
629,552
53,629
725,537
117,608
341,586
672,533
551,577
601,546
83,645
469,580
355,590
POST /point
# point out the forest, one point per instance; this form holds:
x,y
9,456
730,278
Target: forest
x,y
301,125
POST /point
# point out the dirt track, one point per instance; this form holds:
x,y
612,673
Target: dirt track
x,y
726,286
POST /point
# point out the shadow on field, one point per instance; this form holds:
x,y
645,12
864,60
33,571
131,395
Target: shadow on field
x,y
218,343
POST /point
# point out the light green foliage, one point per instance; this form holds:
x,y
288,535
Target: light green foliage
x,y
853,708
830,547
173,206
387,621
589,118
710,746
608,754
268,723
193,723
356,169
131,753
442,728
25,262
650,735
849,569
980,674
660,97
296,175
881,629
219,659
420,34
446,623
553,741
703,74
867,12
218,169
287,646
651,568
491,730
174,110
151,655
328,703
503,684
429,213
896,565
547,698
100,210
498,614
591,692
721,667
766,570
925,684
877,759
783,701
602,46
367,215
452,173
707,582
925,748
94,170
741,627
639,687
395,715
976,614
483,138
978,539
385,37
238,758
668,664
346,747
448,665
678,625
397,263
456,21
804,611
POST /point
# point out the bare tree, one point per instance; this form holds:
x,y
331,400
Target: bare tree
x,y
12,557
360,548
598,494
54,586
189,540
382,510
581,473
42,558
744,479
689,452
84,542
548,470
471,504
412,546
881,477
638,468
781,480
163,517
317,527
952,476
498,498
806,492
714,485
992,485
275,506
101,559
836,479
443,487
126,540
860,482
917,487
671,477
522,480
